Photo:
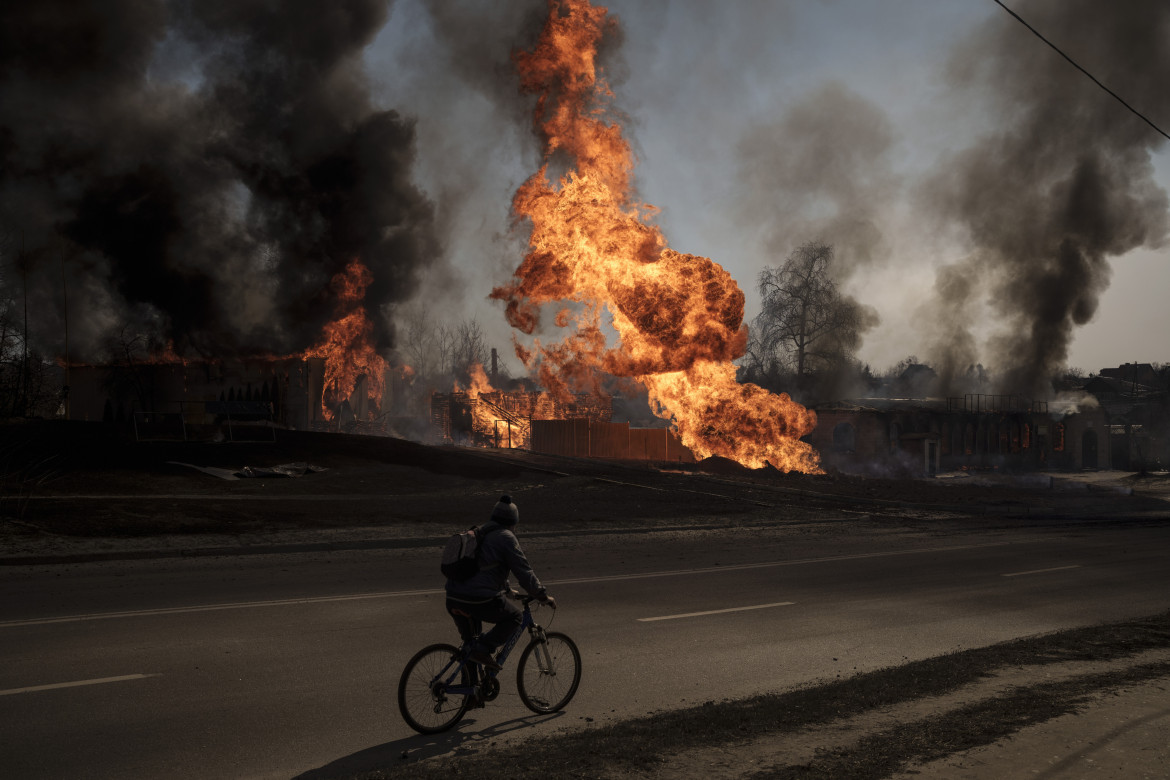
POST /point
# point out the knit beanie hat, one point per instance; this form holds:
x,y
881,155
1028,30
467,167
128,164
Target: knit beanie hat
x,y
505,512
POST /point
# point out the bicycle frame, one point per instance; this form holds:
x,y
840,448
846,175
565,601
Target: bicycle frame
x,y
450,673
441,682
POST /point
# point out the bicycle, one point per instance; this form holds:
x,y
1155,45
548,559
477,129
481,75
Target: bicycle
x,y
440,683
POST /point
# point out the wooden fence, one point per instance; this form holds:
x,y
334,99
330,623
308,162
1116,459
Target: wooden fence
x,y
589,439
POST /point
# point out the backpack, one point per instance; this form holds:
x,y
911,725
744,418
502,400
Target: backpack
x,y
461,554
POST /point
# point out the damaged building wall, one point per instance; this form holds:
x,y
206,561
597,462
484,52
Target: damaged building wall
x,y
1136,400
922,438
593,439
202,393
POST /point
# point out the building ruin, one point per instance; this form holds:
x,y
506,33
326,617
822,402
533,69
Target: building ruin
x,y
977,432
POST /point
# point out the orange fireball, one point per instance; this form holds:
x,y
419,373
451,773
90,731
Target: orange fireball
x,y
679,317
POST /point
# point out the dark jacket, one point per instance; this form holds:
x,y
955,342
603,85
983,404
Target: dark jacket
x,y
499,556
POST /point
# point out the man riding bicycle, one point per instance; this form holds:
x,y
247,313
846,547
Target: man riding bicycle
x,y
483,597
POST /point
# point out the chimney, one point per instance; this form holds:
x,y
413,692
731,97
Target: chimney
x,y
493,366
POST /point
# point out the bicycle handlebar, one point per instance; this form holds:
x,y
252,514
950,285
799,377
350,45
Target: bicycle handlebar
x,y
527,598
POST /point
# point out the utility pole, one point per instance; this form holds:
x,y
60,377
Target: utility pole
x,y
24,334
65,298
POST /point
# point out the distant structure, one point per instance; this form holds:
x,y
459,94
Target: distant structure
x,y
1136,401
579,427
199,399
504,418
893,437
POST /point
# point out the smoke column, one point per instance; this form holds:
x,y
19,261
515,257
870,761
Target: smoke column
x,y
203,169
1061,182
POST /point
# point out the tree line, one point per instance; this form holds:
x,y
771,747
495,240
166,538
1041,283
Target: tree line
x,y
805,339
30,382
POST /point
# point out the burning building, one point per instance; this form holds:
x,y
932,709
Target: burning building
x,y
203,399
505,419
339,382
303,216
580,426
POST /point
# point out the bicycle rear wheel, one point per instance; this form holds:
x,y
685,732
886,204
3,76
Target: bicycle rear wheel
x,y
422,697
548,673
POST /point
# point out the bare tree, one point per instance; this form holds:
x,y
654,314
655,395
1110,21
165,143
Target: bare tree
x,y
11,360
469,347
438,352
420,342
128,376
14,358
805,319
445,348
30,384
763,364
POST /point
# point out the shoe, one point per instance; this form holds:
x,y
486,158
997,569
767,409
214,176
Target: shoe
x,y
484,659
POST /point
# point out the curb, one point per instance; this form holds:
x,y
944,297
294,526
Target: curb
x,y
310,547
439,541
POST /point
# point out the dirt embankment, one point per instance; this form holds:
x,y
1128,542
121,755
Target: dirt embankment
x,y
90,479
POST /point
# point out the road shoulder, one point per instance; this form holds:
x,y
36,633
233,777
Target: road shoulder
x,y
1043,706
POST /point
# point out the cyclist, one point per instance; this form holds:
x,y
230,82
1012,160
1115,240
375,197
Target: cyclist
x,y
484,597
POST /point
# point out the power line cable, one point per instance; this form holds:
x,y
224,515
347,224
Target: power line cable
x,y
1082,70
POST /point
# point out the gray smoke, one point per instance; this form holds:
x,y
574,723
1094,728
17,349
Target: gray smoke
x,y
477,122
820,172
201,169
1061,183
449,62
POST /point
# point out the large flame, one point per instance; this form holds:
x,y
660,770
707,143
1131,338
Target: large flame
x,y
679,317
479,381
346,343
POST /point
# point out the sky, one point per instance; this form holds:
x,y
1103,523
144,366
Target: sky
x,y
698,82
986,200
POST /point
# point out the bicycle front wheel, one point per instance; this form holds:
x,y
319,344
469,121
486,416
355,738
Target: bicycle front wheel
x,y
423,700
548,673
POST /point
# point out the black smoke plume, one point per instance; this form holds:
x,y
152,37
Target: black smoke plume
x,y
201,169
1061,182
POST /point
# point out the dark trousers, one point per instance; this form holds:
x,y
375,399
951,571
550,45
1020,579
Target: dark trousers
x,y
469,619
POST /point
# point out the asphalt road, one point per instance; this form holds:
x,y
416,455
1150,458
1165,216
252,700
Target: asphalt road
x,y
283,665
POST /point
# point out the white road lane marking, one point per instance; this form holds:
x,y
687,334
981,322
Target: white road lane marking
x,y
716,611
212,608
776,564
77,683
1041,571
433,591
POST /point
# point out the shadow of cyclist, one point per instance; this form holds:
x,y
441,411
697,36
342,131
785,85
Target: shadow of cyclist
x,y
459,741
